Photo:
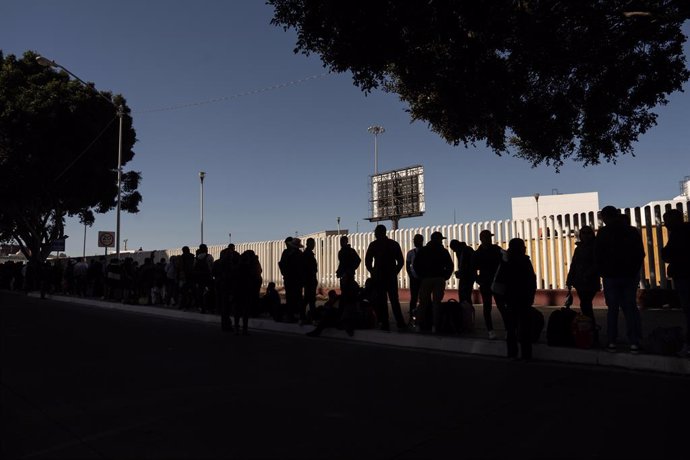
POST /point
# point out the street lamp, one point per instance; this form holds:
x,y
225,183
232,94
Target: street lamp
x,y
45,62
201,178
376,130
536,198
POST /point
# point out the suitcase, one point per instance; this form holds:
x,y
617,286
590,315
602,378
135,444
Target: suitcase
x,y
583,331
559,331
451,317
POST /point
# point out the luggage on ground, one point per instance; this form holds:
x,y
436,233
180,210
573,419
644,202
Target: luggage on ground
x,y
583,331
451,317
665,340
559,331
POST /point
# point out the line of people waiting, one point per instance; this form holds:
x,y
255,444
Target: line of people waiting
x,y
230,286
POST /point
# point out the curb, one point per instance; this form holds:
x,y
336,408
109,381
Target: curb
x,y
472,346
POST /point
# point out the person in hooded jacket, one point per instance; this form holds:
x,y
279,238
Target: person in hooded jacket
x,y
521,286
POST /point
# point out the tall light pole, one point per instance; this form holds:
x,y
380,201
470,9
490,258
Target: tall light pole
x,y
376,130
45,62
338,219
201,178
536,198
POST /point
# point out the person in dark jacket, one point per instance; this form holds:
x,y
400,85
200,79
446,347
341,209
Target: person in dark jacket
x,y
418,242
486,260
311,268
466,272
291,267
225,273
619,253
676,254
384,260
433,265
248,286
584,276
348,262
521,285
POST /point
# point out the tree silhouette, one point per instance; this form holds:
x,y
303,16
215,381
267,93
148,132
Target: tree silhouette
x,y
58,154
542,80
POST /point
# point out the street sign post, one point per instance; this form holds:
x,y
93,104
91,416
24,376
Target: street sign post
x,y
106,239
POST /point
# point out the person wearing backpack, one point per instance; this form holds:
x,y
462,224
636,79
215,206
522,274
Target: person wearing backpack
x,y
619,254
584,276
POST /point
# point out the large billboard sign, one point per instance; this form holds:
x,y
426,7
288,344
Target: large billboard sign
x,y
397,194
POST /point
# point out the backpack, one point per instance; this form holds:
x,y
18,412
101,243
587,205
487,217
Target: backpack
x,y
665,340
559,331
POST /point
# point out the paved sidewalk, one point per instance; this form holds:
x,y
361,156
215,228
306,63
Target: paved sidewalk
x,y
475,343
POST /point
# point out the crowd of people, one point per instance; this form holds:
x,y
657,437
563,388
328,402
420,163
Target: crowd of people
x,y
231,285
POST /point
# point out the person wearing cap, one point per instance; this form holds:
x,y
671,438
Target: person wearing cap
x,y
434,266
486,260
291,267
418,241
384,260
619,254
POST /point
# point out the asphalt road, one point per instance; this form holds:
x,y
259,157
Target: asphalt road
x,y
79,382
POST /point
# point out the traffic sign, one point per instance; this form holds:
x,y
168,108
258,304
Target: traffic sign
x,y
106,239
58,245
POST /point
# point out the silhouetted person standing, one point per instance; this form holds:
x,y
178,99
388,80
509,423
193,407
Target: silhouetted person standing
x,y
348,262
311,268
466,273
186,278
291,267
584,276
227,283
487,258
418,242
521,285
248,287
384,260
434,266
676,254
619,254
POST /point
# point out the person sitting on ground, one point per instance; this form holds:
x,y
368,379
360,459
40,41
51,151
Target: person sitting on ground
x,y
270,302
331,316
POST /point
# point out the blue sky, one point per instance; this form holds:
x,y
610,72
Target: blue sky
x,y
291,159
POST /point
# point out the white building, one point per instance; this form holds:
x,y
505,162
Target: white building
x,y
530,207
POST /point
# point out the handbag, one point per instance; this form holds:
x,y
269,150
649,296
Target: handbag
x,y
498,285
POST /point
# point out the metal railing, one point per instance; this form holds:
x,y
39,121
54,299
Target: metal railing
x,y
550,242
